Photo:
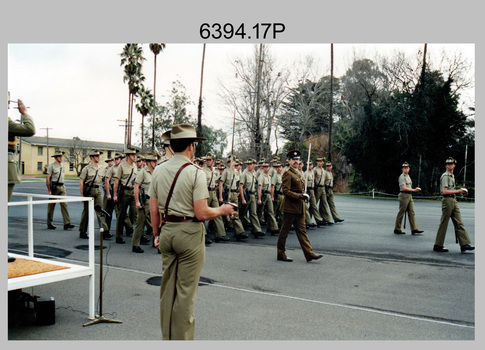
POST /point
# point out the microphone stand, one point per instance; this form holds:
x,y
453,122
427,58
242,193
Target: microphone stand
x,y
100,318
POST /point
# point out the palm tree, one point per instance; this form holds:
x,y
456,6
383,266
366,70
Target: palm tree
x,y
144,107
156,49
132,59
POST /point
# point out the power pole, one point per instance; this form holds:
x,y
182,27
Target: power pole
x,y
125,125
330,118
199,112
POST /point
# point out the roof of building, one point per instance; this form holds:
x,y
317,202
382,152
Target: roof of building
x,y
70,143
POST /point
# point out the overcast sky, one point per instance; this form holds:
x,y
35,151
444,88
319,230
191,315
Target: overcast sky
x,y
78,89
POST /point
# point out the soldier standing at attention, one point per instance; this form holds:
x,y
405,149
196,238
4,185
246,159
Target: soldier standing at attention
x,y
450,209
264,199
320,195
247,189
55,185
329,192
123,192
90,178
294,210
406,203
26,127
179,190
212,201
142,200
277,193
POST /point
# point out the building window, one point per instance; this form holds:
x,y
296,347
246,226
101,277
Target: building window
x,y
109,154
40,150
39,166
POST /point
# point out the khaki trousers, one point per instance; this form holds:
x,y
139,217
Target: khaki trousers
x,y
277,208
321,199
406,204
313,209
299,222
253,213
213,202
127,200
142,219
269,213
331,204
183,252
60,191
450,209
95,193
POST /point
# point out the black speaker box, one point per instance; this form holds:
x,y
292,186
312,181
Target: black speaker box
x,y
45,311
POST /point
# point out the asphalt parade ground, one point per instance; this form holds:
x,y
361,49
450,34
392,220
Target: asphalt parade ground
x,y
371,284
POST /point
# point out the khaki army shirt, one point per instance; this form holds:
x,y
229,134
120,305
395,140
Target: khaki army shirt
x,y
319,176
126,174
191,186
249,181
405,180
89,172
328,179
56,172
212,177
448,181
110,174
264,181
276,182
230,180
308,175
144,178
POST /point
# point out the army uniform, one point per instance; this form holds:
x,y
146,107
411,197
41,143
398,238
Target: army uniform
x,y
25,128
294,212
276,186
56,181
450,209
319,175
125,177
142,183
248,185
264,195
230,180
312,209
212,176
181,239
329,193
91,176
406,204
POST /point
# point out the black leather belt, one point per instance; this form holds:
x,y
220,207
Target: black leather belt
x,y
320,185
309,188
266,192
234,191
449,195
60,184
173,218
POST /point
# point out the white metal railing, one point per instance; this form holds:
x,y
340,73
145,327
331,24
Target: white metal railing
x,y
47,199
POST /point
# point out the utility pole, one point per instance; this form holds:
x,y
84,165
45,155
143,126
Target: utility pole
x,y
47,129
125,125
330,118
199,112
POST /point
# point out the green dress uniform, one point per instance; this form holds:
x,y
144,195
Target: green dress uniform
x,y
276,183
230,181
293,214
56,173
25,128
182,245
450,209
319,175
248,180
264,181
312,209
92,176
212,176
126,174
329,196
143,179
406,204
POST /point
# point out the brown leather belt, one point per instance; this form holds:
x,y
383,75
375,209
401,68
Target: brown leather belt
x,y
173,218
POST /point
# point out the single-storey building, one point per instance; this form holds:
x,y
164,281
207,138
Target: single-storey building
x,y
35,156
